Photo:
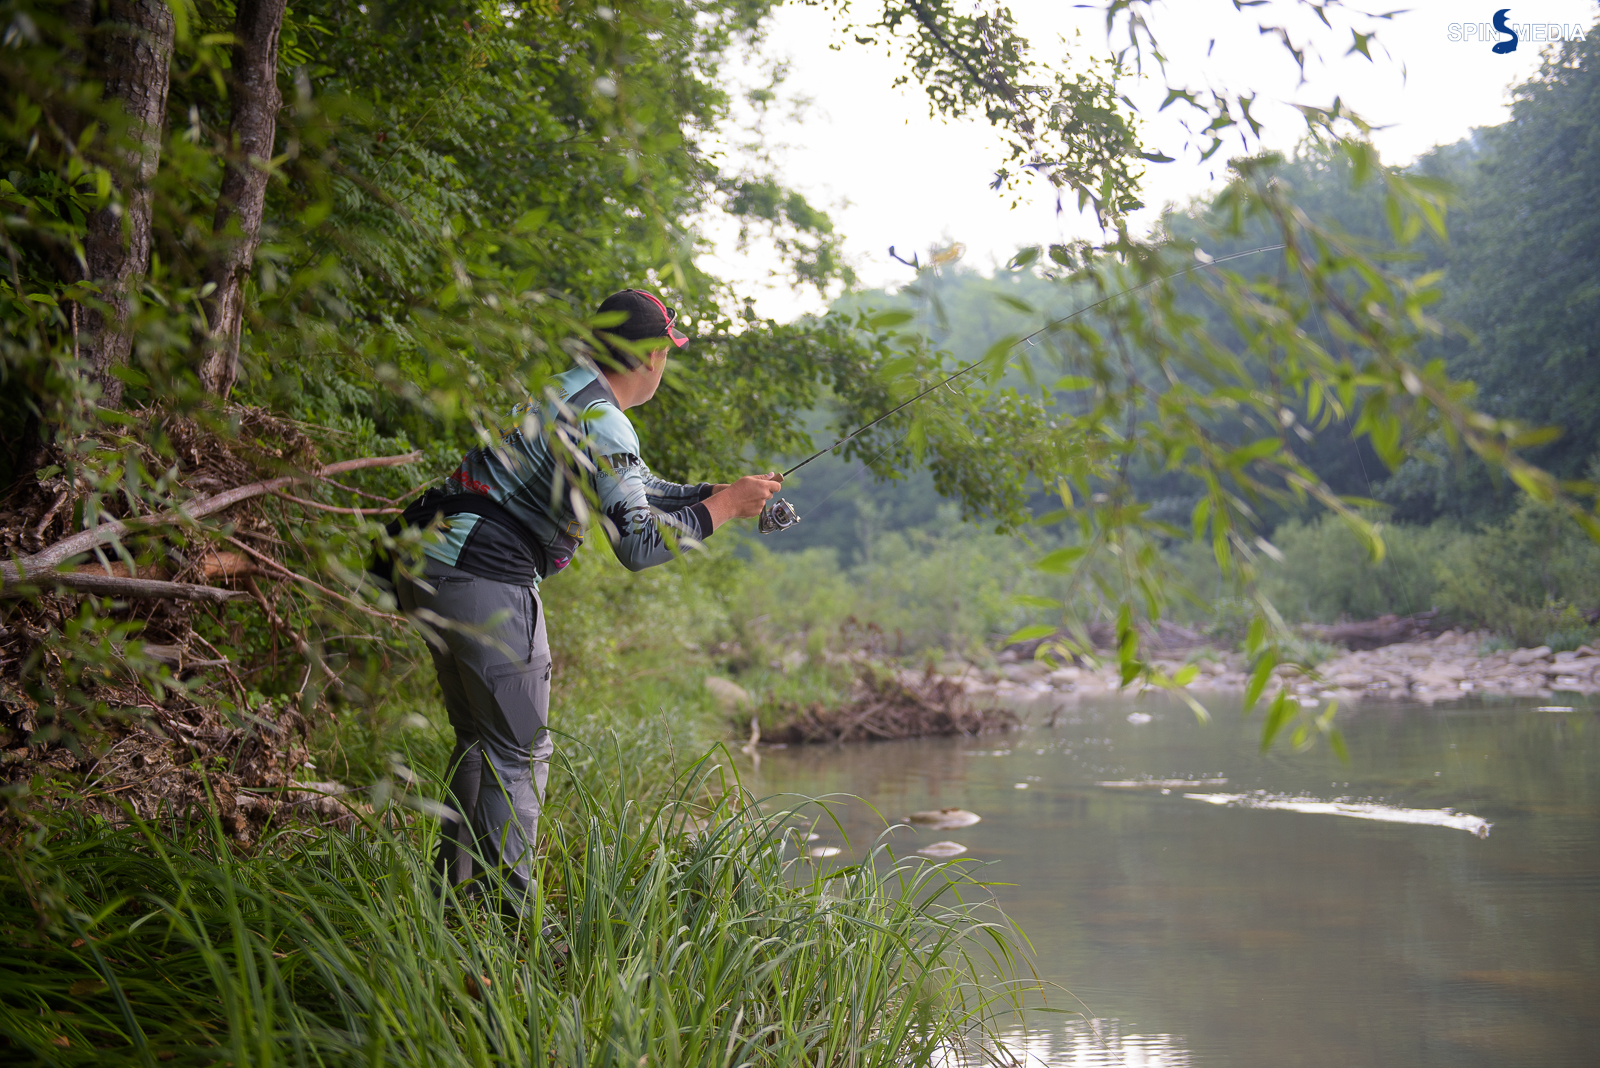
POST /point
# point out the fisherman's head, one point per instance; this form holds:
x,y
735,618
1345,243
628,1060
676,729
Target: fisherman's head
x,y
648,319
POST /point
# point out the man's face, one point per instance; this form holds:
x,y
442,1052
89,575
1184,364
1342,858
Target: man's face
x,y
651,372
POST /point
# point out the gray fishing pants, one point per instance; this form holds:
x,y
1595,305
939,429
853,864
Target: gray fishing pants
x,y
496,683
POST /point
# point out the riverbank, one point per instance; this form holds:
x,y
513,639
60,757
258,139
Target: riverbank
x,y
1454,666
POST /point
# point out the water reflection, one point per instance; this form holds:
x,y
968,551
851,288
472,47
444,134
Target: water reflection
x,y
1259,932
1095,1044
1360,810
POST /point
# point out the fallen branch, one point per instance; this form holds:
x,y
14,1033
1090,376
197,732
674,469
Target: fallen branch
x,y
406,496
227,665
301,646
47,559
134,588
335,508
284,572
176,656
49,516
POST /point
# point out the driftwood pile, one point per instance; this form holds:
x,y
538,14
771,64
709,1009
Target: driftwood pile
x,y
110,739
1377,633
885,707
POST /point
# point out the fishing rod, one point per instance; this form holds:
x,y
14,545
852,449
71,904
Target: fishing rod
x,y
779,514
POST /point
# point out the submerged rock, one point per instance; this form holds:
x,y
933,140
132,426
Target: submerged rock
x,y
944,819
943,849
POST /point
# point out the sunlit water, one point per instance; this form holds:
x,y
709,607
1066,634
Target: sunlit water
x,y
1434,902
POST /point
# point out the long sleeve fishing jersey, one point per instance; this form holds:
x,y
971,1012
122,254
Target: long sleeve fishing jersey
x,y
534,524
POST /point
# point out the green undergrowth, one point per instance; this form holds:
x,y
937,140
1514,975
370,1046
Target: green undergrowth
x,y
684,932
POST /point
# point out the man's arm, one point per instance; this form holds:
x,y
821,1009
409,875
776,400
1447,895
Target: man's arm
x,y
671,496
642,529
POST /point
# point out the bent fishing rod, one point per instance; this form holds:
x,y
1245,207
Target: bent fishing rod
x,y
779,514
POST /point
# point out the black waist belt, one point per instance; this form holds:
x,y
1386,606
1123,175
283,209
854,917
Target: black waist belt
x,y
436,502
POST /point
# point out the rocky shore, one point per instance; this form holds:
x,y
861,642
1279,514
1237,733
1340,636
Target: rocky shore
x,y
1451,667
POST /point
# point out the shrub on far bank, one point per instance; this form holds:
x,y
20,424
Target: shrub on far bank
x,y
1534,578
1326,573
916,592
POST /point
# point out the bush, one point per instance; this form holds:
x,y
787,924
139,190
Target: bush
x,y
1532,577
1326,573
917,592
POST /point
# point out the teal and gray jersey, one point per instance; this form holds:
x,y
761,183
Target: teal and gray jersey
x,y
541,517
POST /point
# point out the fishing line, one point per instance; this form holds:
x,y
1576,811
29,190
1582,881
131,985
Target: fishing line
x,y
779,514
866,468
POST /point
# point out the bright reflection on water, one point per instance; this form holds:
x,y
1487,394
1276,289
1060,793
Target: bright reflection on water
x,y
1095,1044
1260,929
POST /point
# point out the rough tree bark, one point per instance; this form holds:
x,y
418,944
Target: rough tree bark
x,y
129,51
237,228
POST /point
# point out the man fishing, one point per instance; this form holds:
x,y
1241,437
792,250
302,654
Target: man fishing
x,y
511,516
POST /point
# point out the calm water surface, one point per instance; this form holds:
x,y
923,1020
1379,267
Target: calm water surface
x,y
1194,933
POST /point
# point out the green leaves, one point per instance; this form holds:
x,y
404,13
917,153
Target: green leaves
x,y
1061,561
1260,675
1029,633
885,320
1256,450
1279,713
1025,257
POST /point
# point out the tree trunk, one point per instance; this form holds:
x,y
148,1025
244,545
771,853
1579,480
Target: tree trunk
x,y
129,51
237,228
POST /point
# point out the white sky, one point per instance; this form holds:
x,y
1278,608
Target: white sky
x,y
890,175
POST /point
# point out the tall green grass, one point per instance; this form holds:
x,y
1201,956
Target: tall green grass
x,y
687,932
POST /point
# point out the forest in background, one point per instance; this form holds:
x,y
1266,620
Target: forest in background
x,y
1519,295
232,346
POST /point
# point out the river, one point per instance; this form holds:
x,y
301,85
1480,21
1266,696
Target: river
x,y
1196,902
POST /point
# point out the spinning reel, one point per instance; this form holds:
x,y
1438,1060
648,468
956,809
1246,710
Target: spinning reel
x,y
778,514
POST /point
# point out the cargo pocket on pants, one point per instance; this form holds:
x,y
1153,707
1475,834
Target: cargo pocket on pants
x,y
522,698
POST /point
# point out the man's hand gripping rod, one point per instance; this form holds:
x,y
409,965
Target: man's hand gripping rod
x,y
779,514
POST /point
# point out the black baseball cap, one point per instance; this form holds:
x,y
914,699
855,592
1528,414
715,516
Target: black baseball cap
x,y
647,317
